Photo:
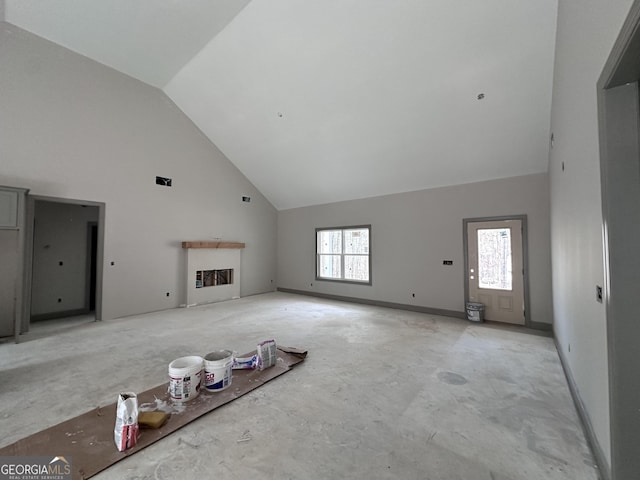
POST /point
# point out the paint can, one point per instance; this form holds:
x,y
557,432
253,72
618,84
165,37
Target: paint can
x,y
217,370
185,378
475,311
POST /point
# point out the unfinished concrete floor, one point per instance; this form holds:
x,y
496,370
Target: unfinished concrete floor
x,y
383,394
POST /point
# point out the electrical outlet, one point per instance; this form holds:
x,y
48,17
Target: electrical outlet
x,y
599,293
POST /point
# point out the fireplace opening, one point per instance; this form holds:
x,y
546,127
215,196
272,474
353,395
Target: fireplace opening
x,y
213,278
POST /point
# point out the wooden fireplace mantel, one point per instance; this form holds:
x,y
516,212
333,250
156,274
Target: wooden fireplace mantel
x,y
212,245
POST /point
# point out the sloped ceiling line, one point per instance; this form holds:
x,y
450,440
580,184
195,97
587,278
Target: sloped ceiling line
x,y
375,97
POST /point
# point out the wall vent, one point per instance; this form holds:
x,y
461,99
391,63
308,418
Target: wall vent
x,y
164,181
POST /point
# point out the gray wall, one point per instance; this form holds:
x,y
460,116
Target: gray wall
x,y
60,236
412,233
586,33
73,128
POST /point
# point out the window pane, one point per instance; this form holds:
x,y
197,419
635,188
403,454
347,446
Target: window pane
x,y
356,241
494,258
356,267
329,266
330,241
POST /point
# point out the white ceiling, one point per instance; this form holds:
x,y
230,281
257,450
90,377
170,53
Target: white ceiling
x,y
150,40
320,101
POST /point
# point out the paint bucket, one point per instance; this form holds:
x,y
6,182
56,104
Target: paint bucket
x,y
217,370
185,378
475,311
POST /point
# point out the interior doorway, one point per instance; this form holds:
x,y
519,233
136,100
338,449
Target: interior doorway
x,y
495,261
619,125
65,243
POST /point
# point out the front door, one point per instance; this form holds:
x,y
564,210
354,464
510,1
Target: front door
x,y
495,273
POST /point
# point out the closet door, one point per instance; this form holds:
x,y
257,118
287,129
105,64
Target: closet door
x,y
12,201
8,281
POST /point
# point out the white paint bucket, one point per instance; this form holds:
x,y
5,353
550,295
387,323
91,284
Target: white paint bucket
x,y
185,378
217,370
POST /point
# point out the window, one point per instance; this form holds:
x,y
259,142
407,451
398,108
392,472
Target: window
x,y
343,254
494,259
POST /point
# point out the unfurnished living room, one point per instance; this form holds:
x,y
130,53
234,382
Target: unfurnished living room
x,y
431,207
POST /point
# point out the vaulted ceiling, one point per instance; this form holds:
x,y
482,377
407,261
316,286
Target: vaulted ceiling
x,y
320,101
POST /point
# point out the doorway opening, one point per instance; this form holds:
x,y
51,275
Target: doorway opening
x,y
65,243
619,128
496,267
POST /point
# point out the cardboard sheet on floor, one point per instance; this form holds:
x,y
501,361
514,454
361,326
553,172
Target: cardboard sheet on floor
x,y
88,438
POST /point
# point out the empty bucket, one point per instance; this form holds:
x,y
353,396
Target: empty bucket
x,y
475,311
185,378
217,370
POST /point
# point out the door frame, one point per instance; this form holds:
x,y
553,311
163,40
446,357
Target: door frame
x,y
28,257
92,262
619,135
525,261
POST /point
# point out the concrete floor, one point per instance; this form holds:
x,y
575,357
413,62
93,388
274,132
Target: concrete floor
x,y
383,394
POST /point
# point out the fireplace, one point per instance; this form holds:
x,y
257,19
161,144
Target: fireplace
x,y
213,272
213,278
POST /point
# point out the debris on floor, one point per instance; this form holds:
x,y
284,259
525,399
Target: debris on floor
x,y
246,437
